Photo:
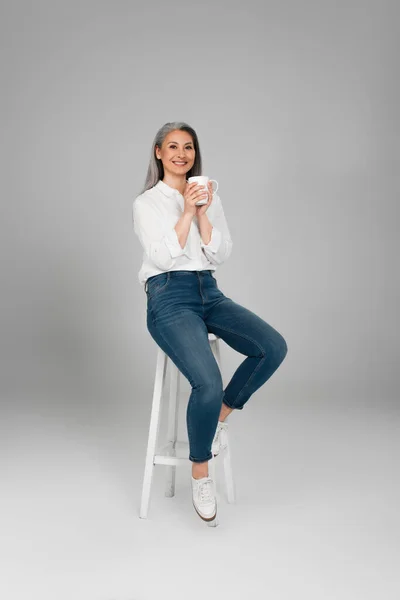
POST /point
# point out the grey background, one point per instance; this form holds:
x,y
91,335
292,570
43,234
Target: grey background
x,y
295,107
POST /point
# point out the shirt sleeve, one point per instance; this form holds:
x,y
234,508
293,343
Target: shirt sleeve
x,y
160,243
220,245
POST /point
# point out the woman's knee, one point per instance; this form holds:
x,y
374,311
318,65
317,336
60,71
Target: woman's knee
x,y
283,349
276,347
210,389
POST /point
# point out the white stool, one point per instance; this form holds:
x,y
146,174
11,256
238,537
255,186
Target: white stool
x,y
166,455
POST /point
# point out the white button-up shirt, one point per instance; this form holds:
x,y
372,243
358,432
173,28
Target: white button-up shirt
x,y
155,214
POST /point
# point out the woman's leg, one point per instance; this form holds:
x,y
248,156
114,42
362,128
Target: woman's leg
x,y
250,335
184,338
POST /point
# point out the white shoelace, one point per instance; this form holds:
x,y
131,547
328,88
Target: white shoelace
x,y
205,490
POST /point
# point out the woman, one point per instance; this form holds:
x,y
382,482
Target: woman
x,y
183,246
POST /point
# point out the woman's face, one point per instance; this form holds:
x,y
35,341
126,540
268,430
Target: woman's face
x,y
176,148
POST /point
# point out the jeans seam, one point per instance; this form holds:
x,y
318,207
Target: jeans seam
x,y
251,376
264,355
189,410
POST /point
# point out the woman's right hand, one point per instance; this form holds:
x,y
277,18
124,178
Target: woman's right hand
x,y
192,194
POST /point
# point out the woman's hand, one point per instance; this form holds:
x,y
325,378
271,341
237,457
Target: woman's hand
x,y
192,194
202,209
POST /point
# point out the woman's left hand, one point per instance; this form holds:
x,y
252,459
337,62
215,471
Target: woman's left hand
x,y
203,208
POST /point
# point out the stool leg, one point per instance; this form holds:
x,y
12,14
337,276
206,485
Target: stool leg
x,y
173,408
229,482
212,462
212,473
153,431
227,464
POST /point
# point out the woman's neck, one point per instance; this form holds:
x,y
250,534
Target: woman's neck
x,y
178,183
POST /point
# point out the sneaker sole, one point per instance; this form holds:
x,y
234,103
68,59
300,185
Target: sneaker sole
x,y
205,518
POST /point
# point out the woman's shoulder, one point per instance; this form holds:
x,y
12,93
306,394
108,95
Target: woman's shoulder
x,y
144,197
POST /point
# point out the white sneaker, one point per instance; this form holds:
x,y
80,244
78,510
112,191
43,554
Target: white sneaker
x,y
203,497
220,438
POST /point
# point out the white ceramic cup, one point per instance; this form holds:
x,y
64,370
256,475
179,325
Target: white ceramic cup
x,y
202,180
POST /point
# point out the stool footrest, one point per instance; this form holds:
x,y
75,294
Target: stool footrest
x,y
176,461
165,455
168,448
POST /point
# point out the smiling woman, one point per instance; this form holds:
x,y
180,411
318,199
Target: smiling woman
x,y
185,302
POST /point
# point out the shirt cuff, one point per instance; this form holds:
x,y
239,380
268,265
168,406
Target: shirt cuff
x,y
215,241
173,245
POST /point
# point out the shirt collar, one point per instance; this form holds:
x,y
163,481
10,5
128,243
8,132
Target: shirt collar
x,y
167,190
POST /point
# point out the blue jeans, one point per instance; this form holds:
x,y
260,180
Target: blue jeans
x,y
182,308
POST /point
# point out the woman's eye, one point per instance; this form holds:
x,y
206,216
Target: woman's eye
x,y
188,147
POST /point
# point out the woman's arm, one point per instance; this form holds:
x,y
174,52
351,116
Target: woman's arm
x,y
216,233
161,243
182,228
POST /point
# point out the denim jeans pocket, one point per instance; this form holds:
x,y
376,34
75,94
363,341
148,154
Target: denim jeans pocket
x,y
157,284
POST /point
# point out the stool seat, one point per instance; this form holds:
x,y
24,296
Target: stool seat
x,y
166,454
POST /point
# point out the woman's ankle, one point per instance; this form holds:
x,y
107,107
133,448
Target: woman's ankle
x,y
200,470
225,412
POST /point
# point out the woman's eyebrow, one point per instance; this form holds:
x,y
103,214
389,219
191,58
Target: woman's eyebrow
x,y
178,144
